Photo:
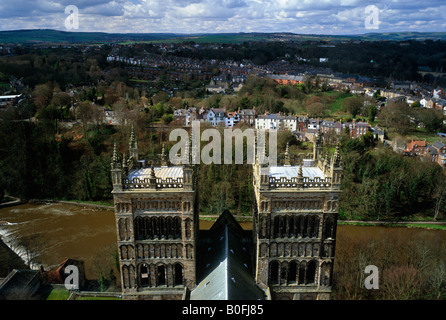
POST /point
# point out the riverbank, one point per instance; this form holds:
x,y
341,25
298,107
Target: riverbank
x,y
434,225
427,224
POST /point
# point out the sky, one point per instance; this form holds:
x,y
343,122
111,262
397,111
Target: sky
x,y
225,16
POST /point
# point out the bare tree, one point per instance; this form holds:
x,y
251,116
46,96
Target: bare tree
x,y
440,198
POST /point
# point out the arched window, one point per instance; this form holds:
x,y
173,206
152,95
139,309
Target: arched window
x,y
281,227
162,222
124,254
292,273
328,228
121,229
161,275
298,223
156,227
302,269
125,276
325,274
304,226
144,276
188,226
276,227
273,250
311,272
177,227
283,272
169,228
178,277
291,231
274,272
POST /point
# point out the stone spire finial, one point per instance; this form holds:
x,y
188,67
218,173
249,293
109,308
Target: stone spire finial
x,y
124,160
163,156
152,171
132,138
337,156
287,154
115,157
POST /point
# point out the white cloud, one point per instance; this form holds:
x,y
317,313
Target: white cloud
x,y
324,16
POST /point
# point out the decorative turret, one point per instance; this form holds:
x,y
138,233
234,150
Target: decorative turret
x,y
317,145
187,167
133,146
152,178
300,175
125,168
287,161
163,157
116,169
336,168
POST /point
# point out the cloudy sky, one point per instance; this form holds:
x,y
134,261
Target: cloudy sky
x,y
198,16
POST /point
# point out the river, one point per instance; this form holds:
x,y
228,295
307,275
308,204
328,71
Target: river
x,y
67,231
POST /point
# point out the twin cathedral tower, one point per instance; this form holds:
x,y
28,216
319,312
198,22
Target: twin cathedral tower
x,y
295,208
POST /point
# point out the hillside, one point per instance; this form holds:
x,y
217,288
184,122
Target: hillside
x,y
45,36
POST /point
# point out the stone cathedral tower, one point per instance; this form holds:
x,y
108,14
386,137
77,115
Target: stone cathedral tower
x,y
157,225
295,218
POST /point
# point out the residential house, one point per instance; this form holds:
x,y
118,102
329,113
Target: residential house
x,y
331,127
313,124
289,123
358,129
302,123
216,116
231,119
378,134
287,79
185,116
248,116
416,147
437,153
10,100
269,122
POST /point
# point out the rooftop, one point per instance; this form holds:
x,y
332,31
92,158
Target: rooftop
x,y
289,172
227,264
163,173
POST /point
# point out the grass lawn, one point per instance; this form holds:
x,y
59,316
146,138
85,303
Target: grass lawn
x,y
58,294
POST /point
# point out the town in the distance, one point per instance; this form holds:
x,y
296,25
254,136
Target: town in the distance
x,y
361,150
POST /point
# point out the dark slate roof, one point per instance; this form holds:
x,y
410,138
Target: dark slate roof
x,y
438,144
227,265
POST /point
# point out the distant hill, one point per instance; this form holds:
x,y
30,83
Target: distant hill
x,y
42,36
45,36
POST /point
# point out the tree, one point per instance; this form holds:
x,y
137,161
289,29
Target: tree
x,y
85,113
396,115
440,198
431,119
353,105
167,118
317,109
42,95
372,113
